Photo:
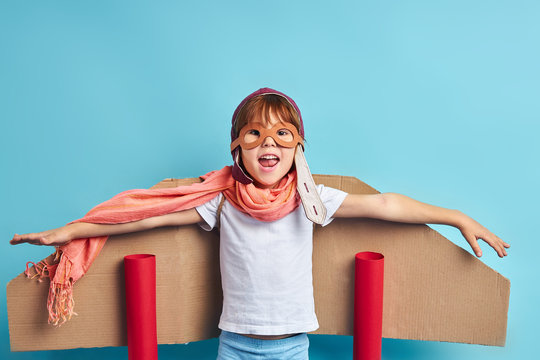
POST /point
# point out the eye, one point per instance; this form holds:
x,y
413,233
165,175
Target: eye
x,y
283,132
251,136
285,135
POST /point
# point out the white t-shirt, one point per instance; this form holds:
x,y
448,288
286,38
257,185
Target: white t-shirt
x,y
266,267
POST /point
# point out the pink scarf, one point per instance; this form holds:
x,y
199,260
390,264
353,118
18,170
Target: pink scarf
x,y
73,260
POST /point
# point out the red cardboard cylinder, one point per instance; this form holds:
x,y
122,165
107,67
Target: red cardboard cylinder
x,y
368,305
140,276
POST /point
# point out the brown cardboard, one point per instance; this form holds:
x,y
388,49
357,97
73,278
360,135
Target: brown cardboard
x,y
433,290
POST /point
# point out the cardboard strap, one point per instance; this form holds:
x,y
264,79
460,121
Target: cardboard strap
x,y
218,215
311,201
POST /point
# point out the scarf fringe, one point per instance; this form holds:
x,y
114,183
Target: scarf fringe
x,y
41,270
60,302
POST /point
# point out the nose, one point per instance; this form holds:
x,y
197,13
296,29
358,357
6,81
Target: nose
x,y
268,141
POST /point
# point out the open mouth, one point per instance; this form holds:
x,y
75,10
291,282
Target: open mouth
x,y
268,161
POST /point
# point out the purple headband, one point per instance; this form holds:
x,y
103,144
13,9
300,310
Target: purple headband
x,y
238,173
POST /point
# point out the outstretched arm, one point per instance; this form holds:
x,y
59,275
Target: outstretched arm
x,y
65,234
400,208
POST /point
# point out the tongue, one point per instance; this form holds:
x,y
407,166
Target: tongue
x,y
268,163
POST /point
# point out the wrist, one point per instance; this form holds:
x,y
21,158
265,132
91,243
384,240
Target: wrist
x,y
70,231
460,219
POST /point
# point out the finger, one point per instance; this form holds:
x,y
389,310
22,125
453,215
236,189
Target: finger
x,y
31,238
500,251
491,243
505,244
502,244
14,240
495,244
19,239
474,245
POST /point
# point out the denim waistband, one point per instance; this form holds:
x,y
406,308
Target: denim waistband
x,y
259,343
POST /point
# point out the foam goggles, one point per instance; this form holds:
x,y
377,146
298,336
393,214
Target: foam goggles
x,y
253,135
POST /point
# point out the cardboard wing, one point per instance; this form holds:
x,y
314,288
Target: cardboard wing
x,y
433,289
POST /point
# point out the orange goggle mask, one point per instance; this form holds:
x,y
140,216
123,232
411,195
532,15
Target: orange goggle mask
x,y
253,134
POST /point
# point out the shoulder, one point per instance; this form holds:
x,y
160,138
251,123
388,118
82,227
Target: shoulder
x,y
209,212
212,205
332,199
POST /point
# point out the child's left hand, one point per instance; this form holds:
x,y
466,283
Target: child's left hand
x,y
472,231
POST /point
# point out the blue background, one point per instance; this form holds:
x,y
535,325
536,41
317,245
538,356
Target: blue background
x,y
438,100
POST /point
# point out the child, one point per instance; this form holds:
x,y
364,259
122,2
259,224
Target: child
x,y
266,236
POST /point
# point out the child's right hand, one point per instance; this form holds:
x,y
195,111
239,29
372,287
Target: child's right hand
x,y
82,230
54,237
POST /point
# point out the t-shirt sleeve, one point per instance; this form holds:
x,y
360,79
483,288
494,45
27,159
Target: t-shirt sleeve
x,y
208,212
332,199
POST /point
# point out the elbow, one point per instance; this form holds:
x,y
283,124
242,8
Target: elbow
x,y
377,207
389,198
150,223
389,204
385,199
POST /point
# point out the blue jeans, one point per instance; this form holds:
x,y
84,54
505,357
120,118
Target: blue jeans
x,y
238,347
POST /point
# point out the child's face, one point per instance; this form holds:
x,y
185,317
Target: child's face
x,y
269,162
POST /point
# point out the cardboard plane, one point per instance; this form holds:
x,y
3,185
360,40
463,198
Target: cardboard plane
x,y
433,290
